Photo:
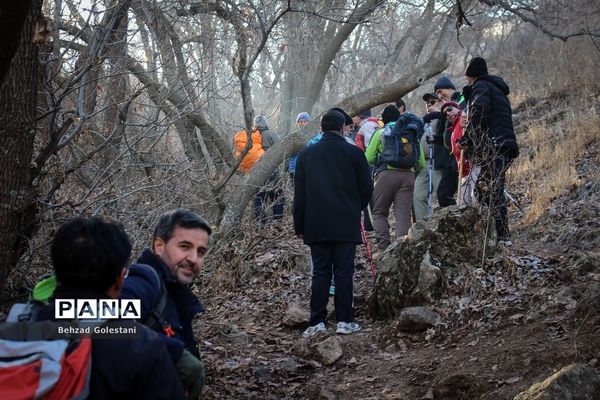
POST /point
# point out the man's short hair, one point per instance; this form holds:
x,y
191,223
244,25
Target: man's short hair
x,y
90,253
347,118
400,103
178,218
332,120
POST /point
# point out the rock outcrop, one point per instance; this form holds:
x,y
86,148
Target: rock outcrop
x,y
410,272
573,382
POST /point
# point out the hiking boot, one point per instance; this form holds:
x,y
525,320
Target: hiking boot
x,y
313,330
346,328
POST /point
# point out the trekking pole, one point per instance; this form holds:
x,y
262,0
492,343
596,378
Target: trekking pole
x,y
460,171
368,250
430,194
513,200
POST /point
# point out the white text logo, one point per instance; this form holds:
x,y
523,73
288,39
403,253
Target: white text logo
x,y
97,309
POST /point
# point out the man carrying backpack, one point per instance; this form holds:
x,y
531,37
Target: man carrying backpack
x,y
90,257
161,279
332,186
365,126
396,153
490,139
262,140
426,181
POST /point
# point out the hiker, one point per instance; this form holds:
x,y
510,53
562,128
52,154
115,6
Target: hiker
x,y
393,185
448,185
89,257
365,125
301,120
332,186
469,175
347,131
262,140
490,139
161,278
422,198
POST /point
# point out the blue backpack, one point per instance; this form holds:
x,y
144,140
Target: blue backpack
x,y
401,142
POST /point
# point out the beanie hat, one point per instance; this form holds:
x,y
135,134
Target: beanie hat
x,y
443,83
365,113
390,114
332,120
477,67
261,122
347,118
449,104
303,116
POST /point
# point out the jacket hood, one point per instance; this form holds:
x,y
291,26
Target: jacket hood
x,y
498,81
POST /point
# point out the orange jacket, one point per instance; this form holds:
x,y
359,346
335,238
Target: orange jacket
x,y
255,152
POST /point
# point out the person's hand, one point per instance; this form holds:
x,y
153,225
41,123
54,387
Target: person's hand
x,y
462,143
463,121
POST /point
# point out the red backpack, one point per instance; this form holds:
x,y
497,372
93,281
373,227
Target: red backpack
x,y
37,362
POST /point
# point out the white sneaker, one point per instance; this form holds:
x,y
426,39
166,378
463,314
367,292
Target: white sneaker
x,y
346,328
505,243
313,330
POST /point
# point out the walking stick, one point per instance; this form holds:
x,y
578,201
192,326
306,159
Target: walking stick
x,y
460,171
368,249
514,201
430,194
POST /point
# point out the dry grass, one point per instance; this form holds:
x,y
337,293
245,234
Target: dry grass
x,y
548,169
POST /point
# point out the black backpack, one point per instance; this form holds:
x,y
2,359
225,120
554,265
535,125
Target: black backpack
x,y
401,142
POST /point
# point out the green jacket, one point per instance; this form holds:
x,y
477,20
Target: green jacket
x,y
376,147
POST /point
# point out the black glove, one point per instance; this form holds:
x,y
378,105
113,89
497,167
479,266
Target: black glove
x,y
464,141
431,116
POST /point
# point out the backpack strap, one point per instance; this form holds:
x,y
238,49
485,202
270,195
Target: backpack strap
x,y
155,320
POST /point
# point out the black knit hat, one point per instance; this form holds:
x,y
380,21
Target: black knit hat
x,y
443,83
390,114
365,113
477,67
332,120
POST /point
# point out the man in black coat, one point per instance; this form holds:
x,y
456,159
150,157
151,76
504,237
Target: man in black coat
x,y
179,245
490,139
332,186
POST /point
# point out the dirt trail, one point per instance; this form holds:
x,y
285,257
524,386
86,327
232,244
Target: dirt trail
x,y
523,317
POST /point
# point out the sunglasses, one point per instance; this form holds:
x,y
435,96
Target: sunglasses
x,y
449,110
431,102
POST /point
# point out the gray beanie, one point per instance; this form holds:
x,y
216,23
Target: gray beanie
x,y
261,122
443,83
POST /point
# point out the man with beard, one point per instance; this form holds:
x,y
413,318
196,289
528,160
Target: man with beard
x,y
161,279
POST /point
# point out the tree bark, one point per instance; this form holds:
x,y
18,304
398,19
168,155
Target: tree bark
x,y
18,102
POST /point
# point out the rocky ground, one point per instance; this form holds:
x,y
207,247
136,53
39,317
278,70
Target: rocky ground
x,y
504,323
520,318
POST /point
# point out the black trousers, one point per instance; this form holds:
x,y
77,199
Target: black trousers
x,y
490,191
448,184
328,258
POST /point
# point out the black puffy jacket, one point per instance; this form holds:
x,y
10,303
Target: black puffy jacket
x,y
490,129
